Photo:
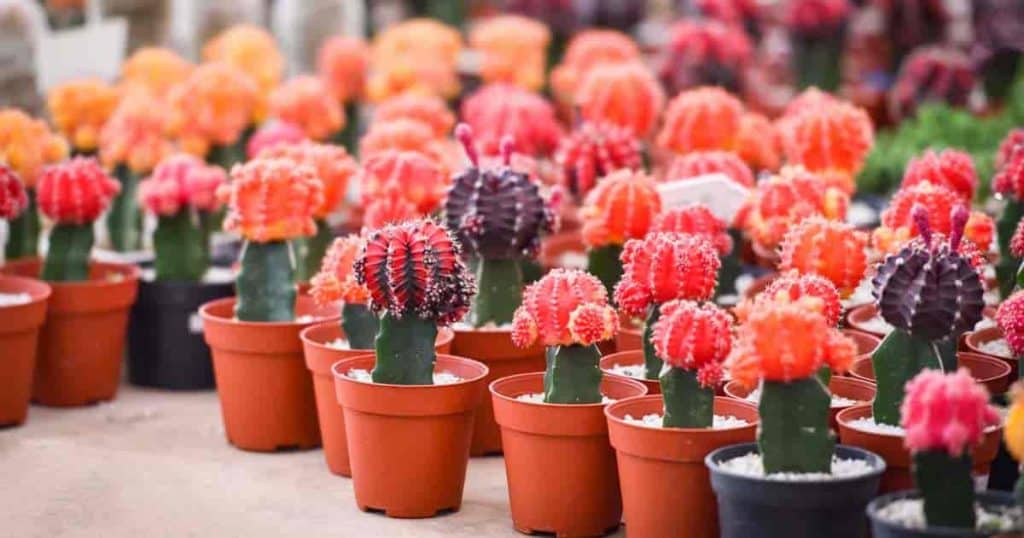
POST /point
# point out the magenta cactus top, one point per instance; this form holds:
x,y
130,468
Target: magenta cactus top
x,y
945,412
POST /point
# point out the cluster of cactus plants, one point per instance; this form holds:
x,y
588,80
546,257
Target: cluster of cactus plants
x,y
592,151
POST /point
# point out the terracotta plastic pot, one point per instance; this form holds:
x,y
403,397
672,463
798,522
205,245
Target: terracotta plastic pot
x,y
629,358
881,528
266,394
850,388
494,348
561,471
630,337
82,341
867,343
319,359
19,337
657,465
858,316
991,372
764,256
897,458
409,444
974,341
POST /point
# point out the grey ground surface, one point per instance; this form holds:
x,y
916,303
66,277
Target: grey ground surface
x,y
155,464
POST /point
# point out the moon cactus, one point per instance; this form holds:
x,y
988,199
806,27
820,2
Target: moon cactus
x,y
594,150
951,168
624,94
704,118
699,163
834,250
499,110
1008,183
832,138
411,175
586,50
695,219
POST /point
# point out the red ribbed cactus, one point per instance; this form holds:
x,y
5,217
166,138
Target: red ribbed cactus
x,y
336,281
412,175
1010,319
832,138
937,74
594,150
898,225
699,163
705,53
701,119
625,94
1013,139
13,199
1009,180
695,219
758,142
951,168
794,286
499,110
832,249
782,201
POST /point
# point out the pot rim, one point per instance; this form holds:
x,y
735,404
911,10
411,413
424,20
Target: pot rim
x,y
843,418
713,465
495,386
339,376
129,271
1004,367
445,336
879,502
612,407
987,334
204,313
38,290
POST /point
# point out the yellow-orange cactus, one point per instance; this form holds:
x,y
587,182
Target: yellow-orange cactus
x,y
305,102
136,135
588,49
251,49
832,138
622,206
512,49
213,106
416,55
27,145
80,108
332,164
155,70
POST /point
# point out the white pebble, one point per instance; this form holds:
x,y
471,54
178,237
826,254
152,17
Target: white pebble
x,y
909,513
752,465
720,422
14,299
999,348
538,397
440,378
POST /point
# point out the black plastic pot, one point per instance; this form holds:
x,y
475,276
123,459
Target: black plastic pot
x,y
753,506
165,337
885,529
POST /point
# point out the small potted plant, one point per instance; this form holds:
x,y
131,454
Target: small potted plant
x,y
405,394
562,477
794,481
835,250
304,101
22,311
661,441
592,151
944,415
82,340
266,395
165,341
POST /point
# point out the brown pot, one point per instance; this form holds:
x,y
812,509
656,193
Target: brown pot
x,y
857,316
409,444
82,341
991,372
867,343
629,358
661,464
845,387
897,458
19,336
319,359
266,395
494,348
561,471
629,337
974,341
764,256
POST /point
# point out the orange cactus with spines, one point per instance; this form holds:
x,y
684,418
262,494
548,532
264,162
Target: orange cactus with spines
x,y
758,142
703,162
154,70
793,285
898,225
625,94
832,249
586,50
951,168
786,199
80,108
251,49
621,207
336,280
831,138
663,267
333,165
701,119
412,175
136,135
695,219
27,145
417,55
212,107
305,101
512,50
272,200
549,305
427,109
342,64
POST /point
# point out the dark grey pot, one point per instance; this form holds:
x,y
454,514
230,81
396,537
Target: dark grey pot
x,y
884,529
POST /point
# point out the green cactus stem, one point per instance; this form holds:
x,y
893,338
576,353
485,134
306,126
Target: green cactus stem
x,y
688,404
451,12
817,62
68,257
405,351
531,269
124,221
652,364
947,488
348,136
180,252
23,231
360,325
731,267
1007,270
266,282
499,292
794,435
209,222
229,155
604,263
899,358
573,375
309,251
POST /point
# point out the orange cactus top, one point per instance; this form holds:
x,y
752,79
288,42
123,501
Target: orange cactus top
x,y
27,145
412,175
565,307
758,142
834,250
80,108
403,135
794,286
271,200
512,50
665,266
622,206
416,55
251,49
832,138
332,164
898,225
336,280
155,70
342,63
786,199
305,102
136,135
212,107
625,94
427,109
950,168
701,119
387,208
586,50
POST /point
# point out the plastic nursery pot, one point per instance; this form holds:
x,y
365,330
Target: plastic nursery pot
x,y
409,444
561,471
630,335
494,348
82,340
777,508
165,337
975,341
758,285
991,372
666,490
859,318
266,395
897,458
866,343
857,390
19,336
634,358
319,358
882,528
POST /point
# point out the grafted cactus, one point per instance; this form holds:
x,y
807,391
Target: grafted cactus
x,y
594,150
931,293
1010,319
693,340
1008,184
699,163
938,74
704,118
500,110
625,94
512,50
13,199
780,202
951,168
336,281
567,311
829,137
705,53
832,249
416,280
697,219
498,216
817,28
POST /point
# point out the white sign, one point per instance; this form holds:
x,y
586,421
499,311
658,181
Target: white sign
x,y
723,196
95,49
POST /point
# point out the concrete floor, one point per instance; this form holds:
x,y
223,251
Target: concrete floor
x,y
156,464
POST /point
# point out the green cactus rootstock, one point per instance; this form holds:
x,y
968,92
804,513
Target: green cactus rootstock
x,y
68,257
1008,270
360,326
947,488
688,404
266,282
405,351
348,136
124,220
816,63
794,434
652,364
229,155
309,251
573,375
731,267
23,231
499,292
604,263
899,358
180,251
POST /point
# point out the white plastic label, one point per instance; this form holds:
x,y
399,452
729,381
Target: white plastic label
x,y
723,196
93,50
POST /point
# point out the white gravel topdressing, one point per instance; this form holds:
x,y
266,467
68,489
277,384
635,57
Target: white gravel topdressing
x,y
999,348
909,513
984,323
538,397
635,371
463,326
440,378
751,465
213,275
14,299
654,420
861,295
572,260
876,325
837,401
338,343
868,424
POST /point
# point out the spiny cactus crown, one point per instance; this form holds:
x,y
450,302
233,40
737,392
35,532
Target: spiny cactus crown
x,y
1010,319
946,412
76,191
13,199
693,336
565,307
951,168
594,150
336,280
793,286
695,219
499,110
832,249
666,266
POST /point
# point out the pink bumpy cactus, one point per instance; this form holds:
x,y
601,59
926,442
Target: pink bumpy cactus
x,y
781,201
181,181
693,336
695,219
273,134
699,163
621,207
932,74
500,110
1009,180
832,249
1010,319
945,412
793,286
705,52
13,199
951,168
76,191
594,150
1013,139
663,267
564,308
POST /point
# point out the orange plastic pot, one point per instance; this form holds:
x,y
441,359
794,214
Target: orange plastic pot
x,y
858,316
866,343
82,341
19,337
319,359
898,475
409,444
629,337
666,489
266,394
850,388
629,358
991,372
974,341
560,466
494,348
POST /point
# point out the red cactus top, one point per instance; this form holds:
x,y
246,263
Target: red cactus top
x,y
594,150
1010,318
388,208
709,162
336,280
76,191
898,225
626,94
950,168
793,286
1013,139
817,17
664,266
695,219
945,412
786,199
181,181
416,177
427,109
13,199
1009,180
341,63
696,41
79,109
565,307
586,50
834,250
332,164
694,336
1017,241
402,134
832,138
272,134
701,119
499,110
621,207
271,200
305,101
